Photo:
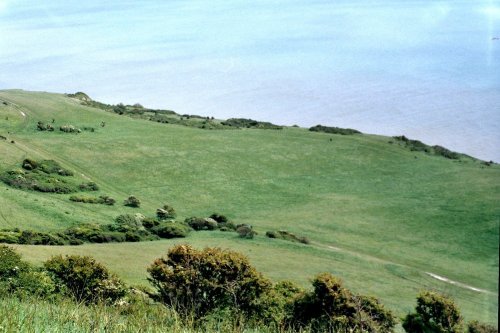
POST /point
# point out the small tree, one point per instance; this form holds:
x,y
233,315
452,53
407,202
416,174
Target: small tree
x,y
132,201
434,313
199,282
85,279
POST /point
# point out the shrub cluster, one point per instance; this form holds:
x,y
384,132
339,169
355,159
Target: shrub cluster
x,y
249,123
126,228
416,145
84,279
199,282
132,201
286,235
334,130
438,150
19,278
41,126
214,222
331,307
215,285
102,199
245,231
69,129
44,176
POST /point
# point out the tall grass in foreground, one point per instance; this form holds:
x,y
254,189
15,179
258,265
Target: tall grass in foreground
x,y
35,315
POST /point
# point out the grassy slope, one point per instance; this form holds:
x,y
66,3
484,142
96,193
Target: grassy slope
x,y
414,213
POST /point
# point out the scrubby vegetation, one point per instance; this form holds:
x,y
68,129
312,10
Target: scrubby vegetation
x,y
126,228
249,123
44,176
434,313
286,235
132,201
201,290
102,199
415,145
84,279
334,130
355,193
171,117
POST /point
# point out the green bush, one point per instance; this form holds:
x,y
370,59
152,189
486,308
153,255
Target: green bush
x,y
89,186
245,231
477,327
9,237
85,279
70,129
283,234
275,307
132,201
219,218
166,212
249,123
199,282
434,313
103,199
10,262
39,238
19,278
149,223
200,223
170,230
332,307
128,222
334,130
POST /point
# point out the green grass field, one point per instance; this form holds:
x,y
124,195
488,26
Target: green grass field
x,y
390,214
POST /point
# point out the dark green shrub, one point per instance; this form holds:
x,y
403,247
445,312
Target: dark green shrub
x,y
331,307
166,212
249,123
103,199
10,262
85,279
84,199
132,201
199,282
89,186
334,130
438,150
20,278
275,307
29,164
132,237
9,237
106,200
39,238
149,223
477,327
170,230
434,313
245,231
219,218
283,234
199,223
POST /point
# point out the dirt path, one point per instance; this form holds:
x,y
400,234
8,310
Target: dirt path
x,y
435,276
459,284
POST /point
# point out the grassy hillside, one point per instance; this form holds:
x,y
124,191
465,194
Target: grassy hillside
x,y
379,215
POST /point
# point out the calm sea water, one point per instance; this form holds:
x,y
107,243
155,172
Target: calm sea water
x,y
426,69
